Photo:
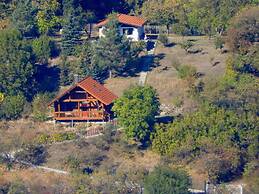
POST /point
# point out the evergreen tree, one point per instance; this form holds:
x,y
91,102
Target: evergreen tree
x,y
112,52
72,29
23,18
86,65
16,64
65,72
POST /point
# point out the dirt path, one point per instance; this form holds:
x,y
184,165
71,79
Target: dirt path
x,y
145,66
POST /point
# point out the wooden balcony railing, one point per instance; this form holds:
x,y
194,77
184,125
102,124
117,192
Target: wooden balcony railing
x,y
80,115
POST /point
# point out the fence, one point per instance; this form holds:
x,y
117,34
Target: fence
x,y
154,29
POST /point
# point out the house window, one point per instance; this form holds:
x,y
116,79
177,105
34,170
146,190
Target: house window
x,y
128,31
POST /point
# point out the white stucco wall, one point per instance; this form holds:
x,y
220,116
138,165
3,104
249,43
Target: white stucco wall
x,y
135,36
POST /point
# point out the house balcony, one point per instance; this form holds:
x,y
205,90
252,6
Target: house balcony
x,y
80,115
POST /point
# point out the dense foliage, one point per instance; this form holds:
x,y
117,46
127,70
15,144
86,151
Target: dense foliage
x,y
12,107
136,111
72,29
223,131
112,52
165,180
16,64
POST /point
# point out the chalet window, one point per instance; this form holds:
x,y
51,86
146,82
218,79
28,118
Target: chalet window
x,y
128,31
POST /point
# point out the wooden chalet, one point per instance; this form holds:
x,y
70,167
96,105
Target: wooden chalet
x,y
87,100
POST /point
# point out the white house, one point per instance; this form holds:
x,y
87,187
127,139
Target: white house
x,y
130,26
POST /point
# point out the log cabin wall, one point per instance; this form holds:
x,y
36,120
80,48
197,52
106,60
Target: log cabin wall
x,y
81,105
87,100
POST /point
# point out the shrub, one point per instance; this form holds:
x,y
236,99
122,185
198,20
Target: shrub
x,y
43,139
73,163
178,101
12,107
55,137
186,45
39,107
176,63
186,71
17,187
165,180
163,39
219,42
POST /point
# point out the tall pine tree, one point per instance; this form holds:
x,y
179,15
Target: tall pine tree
x,y
23,18
112,52
17,69
72,28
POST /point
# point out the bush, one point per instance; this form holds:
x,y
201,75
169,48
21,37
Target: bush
x,y
55,137
12,107
72,163
163,39
186,71
176,63
178,101
219,42
39,107
186,45
18,187
166,180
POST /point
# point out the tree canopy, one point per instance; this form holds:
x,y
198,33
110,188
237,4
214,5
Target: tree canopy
x,y
16,64
165,180
136,111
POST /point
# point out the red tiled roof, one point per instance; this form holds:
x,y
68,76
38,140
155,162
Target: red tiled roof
x,y
94,88
125,19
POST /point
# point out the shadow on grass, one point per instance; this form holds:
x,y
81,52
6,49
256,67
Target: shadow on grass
x,y
144,63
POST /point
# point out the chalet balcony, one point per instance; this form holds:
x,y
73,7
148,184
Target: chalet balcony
x,y
80,115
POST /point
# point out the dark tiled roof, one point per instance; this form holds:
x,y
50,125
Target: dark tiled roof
x,y
94,88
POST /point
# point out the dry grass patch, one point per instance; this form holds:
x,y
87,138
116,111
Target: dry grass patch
x,y
209,63
119,84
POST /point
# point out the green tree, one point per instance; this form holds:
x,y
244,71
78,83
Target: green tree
x,y
112,52
47,16
5,9
243,30
66,76
16,64
165,180
136,111
23,18
12,107
213,16
42,48
72,30
86,65
160,12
